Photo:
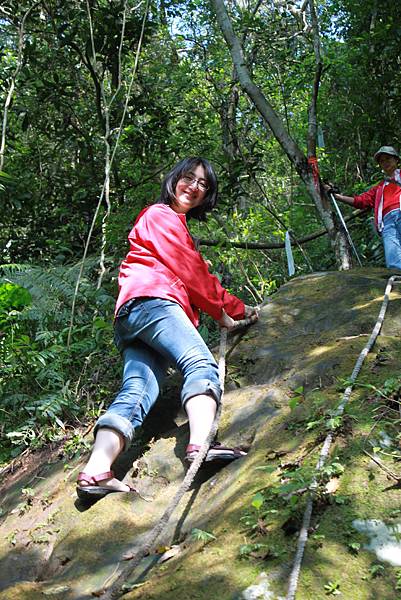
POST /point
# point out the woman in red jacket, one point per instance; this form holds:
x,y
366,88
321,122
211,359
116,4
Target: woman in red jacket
x,y
163,283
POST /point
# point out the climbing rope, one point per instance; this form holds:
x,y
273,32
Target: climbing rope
x,y
303,535
114,591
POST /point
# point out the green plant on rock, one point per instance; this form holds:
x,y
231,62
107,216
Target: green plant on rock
x,y
202,536
398,580
376,570
296,397
332,588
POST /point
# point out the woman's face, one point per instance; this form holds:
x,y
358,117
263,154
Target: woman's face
x,y
190,190
388,163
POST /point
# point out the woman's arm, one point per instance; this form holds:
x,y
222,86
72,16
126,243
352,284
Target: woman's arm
x,y
347,199
364,201
341,197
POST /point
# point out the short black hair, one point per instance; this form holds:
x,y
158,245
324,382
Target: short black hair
x,y
185,166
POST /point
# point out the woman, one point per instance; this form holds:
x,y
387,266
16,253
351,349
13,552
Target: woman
x,y
385,199
163,282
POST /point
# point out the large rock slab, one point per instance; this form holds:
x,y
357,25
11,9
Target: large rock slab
x,y
309,334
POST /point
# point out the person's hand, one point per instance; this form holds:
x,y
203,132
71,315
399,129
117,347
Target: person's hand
x,y
330,188
252,312
226,321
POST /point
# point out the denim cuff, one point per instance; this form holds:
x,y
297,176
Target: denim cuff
x,y
119,424
200,386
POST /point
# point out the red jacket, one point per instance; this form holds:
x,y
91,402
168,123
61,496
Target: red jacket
x,y
163,263
371,199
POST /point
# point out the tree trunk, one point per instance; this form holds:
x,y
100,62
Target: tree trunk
x,y
295,155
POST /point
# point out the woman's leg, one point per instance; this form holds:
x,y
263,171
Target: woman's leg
x,y
169,332
108,445
143,374
201,411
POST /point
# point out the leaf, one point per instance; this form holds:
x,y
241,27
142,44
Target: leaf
x,y
202,536
332,588
258,500
59,422
332,485
354,547
376,571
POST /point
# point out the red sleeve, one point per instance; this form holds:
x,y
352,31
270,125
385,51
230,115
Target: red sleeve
x,y
163,232
367,199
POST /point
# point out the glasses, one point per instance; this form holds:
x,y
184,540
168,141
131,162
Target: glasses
x,y
200,183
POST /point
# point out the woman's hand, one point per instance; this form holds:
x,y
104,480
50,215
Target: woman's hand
x,y
226,321
252,312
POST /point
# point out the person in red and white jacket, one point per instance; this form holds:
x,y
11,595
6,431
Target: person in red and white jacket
x,y
385,199
163,284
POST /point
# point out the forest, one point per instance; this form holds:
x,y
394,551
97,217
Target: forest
x,y
100,98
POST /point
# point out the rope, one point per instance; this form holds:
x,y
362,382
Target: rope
x,y
303,535
135,558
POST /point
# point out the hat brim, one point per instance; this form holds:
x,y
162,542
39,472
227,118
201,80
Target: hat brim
x,y
376,156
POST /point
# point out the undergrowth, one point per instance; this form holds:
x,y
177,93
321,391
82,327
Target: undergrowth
x,y
47,388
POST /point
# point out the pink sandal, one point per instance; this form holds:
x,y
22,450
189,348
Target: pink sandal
x,y
215,452
94,491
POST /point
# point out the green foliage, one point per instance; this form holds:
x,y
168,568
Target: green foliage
x,y
184,101
332,588
398,580
246,550
296,398
376,571
39,381
354,547
202,536
258,500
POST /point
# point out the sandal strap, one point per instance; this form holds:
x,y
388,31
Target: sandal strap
x,y
94,479
235,449
215,446
193,448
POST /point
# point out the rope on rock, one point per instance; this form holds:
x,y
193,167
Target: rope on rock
x,y
114,591
303,535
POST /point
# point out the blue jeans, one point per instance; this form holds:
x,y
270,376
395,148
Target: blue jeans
x,y
151,334
392,239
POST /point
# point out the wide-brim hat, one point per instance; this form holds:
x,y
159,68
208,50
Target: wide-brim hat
x,y
387,150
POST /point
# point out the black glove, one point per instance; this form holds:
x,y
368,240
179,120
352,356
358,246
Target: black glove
x,y
331,188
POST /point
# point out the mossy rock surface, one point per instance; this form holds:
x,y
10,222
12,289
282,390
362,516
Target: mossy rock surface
x,y
304,346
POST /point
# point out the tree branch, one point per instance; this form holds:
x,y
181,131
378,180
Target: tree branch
x,y
273,245
273,121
